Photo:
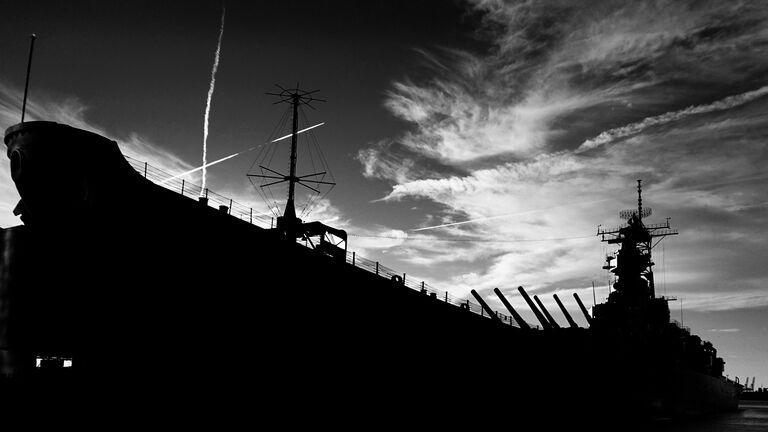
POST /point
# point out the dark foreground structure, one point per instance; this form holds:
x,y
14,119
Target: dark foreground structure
x,y
157,298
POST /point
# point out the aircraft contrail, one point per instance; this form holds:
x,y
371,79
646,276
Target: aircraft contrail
x,y
297,132
633,128
205,166
508,215
208,102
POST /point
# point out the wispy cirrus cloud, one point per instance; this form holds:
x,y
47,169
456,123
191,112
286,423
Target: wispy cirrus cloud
x,y
729,102
560,78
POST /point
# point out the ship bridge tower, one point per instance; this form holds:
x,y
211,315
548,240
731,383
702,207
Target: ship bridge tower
x,y
634,267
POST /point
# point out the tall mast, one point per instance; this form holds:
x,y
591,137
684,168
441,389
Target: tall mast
x,y
26,82
290,209
288,222
640,200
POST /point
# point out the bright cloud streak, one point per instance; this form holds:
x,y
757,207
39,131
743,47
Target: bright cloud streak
x,y
635,128
298,132
193,170
204,167
208,100
509,215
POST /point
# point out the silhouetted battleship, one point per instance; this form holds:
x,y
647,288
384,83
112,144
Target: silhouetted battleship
x,y
150,293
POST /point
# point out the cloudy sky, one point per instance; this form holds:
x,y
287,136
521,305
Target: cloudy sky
x,y
532,119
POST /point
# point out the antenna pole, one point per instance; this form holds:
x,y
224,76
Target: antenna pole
x,y
681,312
639,200
29,68
288,222
291,213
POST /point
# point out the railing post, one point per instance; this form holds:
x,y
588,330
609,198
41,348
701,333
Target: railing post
x,y
377,268
446,296
182,186
403,278
145,169
230,207
251,219
353,258
206,192
271,223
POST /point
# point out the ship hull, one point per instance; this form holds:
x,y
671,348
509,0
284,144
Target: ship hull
x,y
696,394
153,294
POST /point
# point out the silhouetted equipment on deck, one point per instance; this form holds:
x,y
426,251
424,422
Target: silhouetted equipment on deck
x,y
570,320
608,265
539,316
549,317
330,239
583,309
520,321
491,313
634,269
289,224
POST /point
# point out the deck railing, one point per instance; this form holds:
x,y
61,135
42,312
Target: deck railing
x,y
243,212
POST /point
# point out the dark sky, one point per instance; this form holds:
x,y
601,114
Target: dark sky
x,y
145,66
532,118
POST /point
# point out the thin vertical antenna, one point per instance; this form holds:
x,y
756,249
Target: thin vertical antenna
x,y
664,268
26,83
681,312
295,100
639,200
295,97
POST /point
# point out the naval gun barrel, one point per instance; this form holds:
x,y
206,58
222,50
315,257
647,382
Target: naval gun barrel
x,y
546,313
485,307
568,317
539,316
520,321
583,309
